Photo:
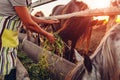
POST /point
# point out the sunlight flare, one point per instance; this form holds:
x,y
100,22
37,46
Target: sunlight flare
x,y
99,4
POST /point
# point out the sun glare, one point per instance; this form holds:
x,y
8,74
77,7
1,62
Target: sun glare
x,y
118,19
101,18
94,4
99,4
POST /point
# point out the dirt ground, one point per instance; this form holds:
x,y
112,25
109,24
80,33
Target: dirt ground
x,y
97,34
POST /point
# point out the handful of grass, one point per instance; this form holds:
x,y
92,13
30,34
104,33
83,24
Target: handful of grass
x,y
57,47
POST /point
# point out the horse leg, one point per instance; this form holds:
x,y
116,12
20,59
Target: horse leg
x,y
72,56
38,39
66,50
69,53
72,52
88,38
66,53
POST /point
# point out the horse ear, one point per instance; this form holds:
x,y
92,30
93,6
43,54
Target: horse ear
x,y
87,63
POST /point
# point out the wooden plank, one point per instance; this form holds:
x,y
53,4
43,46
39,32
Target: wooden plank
x,y
89,12
22,73
59,67
41,2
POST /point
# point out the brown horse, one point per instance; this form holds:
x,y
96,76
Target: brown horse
x,y
74,28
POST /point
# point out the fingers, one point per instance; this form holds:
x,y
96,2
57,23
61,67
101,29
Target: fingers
x,y
51,38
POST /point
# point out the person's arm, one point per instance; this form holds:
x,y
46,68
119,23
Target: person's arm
x,y
25,16
49,21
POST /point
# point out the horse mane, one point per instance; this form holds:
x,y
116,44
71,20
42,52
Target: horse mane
x,y
81,4
55,8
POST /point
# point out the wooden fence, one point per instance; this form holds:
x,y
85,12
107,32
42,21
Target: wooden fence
x,y
89,12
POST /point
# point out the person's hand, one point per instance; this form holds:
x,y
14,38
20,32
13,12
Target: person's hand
x,y
51,21
50,37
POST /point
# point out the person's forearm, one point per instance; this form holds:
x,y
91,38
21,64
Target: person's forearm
x,y
30,24
48,21
36,28
38,20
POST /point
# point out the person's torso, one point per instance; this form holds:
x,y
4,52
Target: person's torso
x,y
10,22
7,9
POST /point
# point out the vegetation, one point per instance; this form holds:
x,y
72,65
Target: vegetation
x,y
39,71
57,47
36,71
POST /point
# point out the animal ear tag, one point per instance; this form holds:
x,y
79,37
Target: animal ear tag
x,y
88,63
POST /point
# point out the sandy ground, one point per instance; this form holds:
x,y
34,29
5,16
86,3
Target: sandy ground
x,y
97,34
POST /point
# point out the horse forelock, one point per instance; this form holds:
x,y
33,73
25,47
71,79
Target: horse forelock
x,y
57,9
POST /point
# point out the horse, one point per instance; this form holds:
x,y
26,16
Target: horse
x,y
73,29
104,63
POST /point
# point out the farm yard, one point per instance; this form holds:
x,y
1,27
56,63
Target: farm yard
x,y
52,64
35,70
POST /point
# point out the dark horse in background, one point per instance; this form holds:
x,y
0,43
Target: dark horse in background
x,y
74,28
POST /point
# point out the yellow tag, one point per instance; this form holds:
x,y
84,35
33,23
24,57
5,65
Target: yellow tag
x,y
10,38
